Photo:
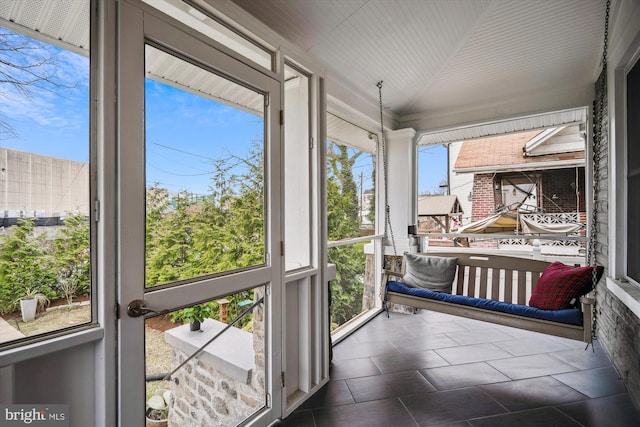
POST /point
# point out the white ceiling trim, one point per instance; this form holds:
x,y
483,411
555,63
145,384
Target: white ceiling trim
x,y
556,164
505,126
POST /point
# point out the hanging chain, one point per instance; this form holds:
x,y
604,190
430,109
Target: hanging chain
x,y
597,155
387,210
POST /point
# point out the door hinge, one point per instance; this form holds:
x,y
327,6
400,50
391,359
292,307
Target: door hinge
x,y
281,247
116,310
282,378
311,143
96,210
268,400
268,289
281,117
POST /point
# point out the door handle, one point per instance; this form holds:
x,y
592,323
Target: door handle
x,y
138,307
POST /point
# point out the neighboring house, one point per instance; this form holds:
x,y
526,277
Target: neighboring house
x,y
534,172
438,213
366,206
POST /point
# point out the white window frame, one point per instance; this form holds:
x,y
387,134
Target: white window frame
x,y
52,341
617,281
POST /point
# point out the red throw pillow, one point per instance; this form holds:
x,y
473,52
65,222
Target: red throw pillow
x,y
560,283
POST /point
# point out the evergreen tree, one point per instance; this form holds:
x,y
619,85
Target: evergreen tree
x,y
24,265
72,257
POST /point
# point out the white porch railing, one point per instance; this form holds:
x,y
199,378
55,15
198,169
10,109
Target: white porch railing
x,y
548,247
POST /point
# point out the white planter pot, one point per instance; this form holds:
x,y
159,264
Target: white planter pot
x,y
28,308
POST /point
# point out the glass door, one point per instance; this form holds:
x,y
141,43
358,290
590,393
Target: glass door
x,y
196,231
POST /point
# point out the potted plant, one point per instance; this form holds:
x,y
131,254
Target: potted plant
x,y
30,301
195,315
157,412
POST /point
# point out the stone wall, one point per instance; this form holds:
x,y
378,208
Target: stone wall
x,y
618,328
369,293
221,386
619,333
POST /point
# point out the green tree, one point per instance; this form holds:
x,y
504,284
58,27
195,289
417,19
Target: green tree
x,y
169,246
224,231
343,220
371,215
233,218
72,261
24,264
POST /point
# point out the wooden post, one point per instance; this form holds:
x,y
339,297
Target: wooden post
x,y
224,310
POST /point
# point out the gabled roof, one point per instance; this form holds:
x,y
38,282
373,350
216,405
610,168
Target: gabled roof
x,y
438,205
507,153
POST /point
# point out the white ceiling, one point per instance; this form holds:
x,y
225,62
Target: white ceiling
x,y
437,57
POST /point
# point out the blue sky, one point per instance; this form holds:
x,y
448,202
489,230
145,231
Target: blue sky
x,y
185,132
50,121
432,168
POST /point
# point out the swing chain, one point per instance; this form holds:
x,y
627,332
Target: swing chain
x,y
387,209
597,156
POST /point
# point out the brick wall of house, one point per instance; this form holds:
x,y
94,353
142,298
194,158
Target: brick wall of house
x,y
484,202
485,198
561,183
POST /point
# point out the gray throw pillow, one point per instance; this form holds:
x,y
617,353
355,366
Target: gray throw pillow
x,y
430,272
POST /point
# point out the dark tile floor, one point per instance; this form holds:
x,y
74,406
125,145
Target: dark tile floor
x,y
431,369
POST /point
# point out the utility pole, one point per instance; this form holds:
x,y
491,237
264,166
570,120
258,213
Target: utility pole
x,y
361,201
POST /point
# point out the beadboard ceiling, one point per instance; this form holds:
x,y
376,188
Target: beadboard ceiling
x,y
437,56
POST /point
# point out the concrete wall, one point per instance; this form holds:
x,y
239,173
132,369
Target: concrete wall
x,y
33,182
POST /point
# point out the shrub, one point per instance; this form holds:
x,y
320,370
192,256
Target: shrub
x,y
24,264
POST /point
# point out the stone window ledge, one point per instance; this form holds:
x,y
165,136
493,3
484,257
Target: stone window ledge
x,y
626,292
231,353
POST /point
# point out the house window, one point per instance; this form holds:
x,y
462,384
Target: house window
x,y
46,234
633,172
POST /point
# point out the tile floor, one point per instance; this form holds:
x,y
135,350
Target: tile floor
x,y
432,369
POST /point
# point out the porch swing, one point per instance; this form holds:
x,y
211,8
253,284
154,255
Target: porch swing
x,y
495,288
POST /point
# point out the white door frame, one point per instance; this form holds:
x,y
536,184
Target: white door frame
x,y
136,26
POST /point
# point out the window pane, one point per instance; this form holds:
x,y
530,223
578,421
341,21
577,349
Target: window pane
x,y
297,169
45,259
350,214
351,154
204,172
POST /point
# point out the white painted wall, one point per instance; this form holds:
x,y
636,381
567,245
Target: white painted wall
x,y
461,184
